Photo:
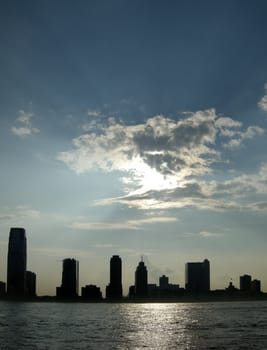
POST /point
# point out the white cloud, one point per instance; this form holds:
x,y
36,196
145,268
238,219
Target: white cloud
x,y
204,234
172,149
163,161
94,113
59,253
263,101
207,234
104,245
20,212
164,200
24,211
247,183
233,194
239,137
24,127
99,226
127,225
159,153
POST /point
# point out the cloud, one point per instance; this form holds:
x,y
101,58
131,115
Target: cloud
x,y
204,234
160,143
20,212
25,127
163,161
259,206
239,137
24,211
207,234
244,184
60,253
127,225
233,194
163,200
262,104
172,149
104,245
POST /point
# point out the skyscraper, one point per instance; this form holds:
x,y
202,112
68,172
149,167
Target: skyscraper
x,y
163,282
31,283
70,279
245,283
197,276
16,262
114,289
141,280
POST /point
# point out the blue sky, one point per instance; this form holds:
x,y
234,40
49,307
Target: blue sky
x,y
135,128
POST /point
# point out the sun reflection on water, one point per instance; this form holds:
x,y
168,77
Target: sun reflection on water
x,y
158,326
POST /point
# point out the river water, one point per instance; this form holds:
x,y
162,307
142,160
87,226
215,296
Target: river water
x,y
183,326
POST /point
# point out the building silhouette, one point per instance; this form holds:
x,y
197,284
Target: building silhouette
x,y
197,277
245,283
2,289
141,287
31,283
255,286
114,289
152,290
231,289
163,282
70,279
91,292
16,262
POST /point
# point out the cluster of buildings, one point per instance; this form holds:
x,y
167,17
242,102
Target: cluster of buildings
x,y
22,283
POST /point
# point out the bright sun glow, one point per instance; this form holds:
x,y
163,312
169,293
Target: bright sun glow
x,y
148,178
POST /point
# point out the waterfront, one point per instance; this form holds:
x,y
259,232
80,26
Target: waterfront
x,y
184,326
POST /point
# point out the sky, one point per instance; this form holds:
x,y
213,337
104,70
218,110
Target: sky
x,y
135,128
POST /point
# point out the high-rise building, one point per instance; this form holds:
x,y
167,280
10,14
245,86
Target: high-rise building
x,y
91,292
256,286
141,280
114,289
70,279
163,282
2,289
245,283
31,283
16,262
197,276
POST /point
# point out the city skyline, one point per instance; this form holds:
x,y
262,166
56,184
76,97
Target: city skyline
x,y
135,128
23,283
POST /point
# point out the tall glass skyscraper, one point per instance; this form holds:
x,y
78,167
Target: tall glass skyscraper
x,y
197,276
114,289
141,280
70,279
16,262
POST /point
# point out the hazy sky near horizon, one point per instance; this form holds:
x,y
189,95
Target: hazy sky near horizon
x,y
135,128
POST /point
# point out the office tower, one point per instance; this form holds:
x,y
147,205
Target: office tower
x,y
255,286
163,282
70,279
245,283
2,289
16,262
141,280
31,283
91,292
197,276
114,289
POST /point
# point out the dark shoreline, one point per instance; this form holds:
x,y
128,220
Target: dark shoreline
x,y
148,300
